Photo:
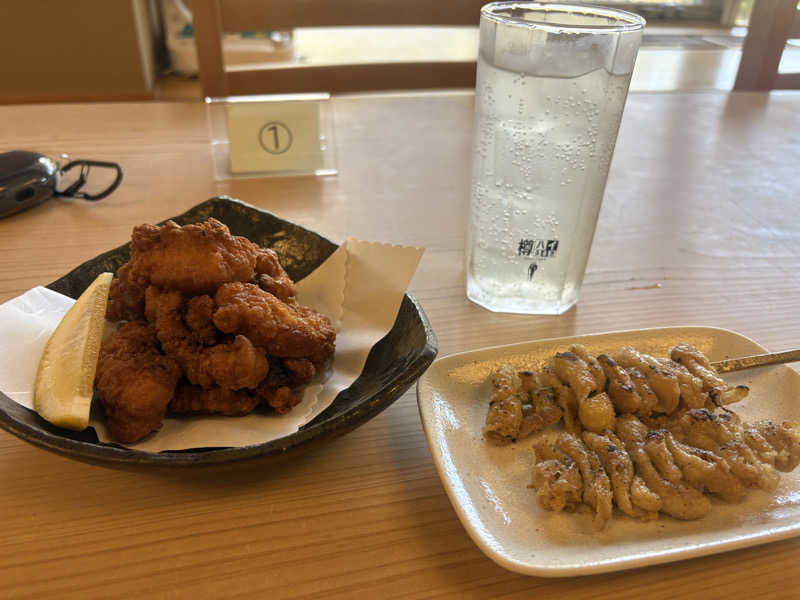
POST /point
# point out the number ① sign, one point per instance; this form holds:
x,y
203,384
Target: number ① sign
x,y
274,136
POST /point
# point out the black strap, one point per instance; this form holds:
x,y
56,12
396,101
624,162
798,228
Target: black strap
x,y
86,165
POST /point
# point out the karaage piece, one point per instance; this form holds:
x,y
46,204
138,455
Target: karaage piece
x,y
280,329
281,399
232,364
271,277
194,400
198,318
193,259
299,371
282,387
125,298
135,382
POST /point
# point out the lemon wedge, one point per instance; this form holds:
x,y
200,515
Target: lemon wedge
x,y
63,390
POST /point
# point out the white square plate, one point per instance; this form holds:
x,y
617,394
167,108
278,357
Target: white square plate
x,y
487,485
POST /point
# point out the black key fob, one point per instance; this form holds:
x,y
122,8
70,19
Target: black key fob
x,y
26,179
29,178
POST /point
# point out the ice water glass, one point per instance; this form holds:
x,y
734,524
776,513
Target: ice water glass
x,y
551,85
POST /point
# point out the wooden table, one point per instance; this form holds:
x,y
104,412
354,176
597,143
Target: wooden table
x,y
699,227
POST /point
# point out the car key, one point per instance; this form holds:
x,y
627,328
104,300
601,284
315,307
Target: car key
x,y
28,178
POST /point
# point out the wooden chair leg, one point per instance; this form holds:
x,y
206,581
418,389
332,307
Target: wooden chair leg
x,y
770,25
207,22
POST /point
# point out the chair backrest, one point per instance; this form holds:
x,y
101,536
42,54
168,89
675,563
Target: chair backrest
x,y
772,22
213,17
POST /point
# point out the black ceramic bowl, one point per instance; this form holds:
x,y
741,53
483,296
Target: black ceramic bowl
x,y
393,364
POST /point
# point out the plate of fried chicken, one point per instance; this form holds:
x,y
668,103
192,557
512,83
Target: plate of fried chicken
x,y
599,453
205,321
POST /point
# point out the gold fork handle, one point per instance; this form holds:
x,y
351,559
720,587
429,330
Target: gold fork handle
x,y
758,360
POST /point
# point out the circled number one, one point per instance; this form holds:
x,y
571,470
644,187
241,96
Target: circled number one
x,y
275,137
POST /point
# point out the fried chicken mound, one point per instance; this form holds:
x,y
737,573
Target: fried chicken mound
x,y
212,325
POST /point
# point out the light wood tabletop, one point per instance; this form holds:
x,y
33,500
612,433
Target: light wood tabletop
x,y
700,226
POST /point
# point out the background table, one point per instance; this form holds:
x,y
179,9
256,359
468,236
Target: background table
x,y
699,227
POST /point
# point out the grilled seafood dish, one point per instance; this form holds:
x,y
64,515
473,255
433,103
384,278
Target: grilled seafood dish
x,y
211,325
647,435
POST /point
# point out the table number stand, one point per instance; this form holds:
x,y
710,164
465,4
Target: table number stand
x,y
275,135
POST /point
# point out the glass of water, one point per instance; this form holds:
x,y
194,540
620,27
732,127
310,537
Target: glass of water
x,y
552,82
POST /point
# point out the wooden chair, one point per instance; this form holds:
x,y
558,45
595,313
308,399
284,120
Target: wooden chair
x,y
772,22
213,17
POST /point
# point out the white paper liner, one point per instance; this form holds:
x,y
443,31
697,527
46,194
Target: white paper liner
x,y
360,287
